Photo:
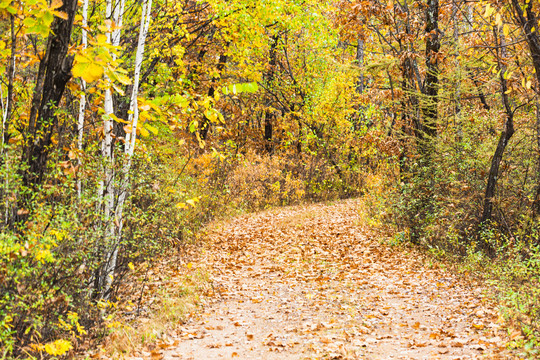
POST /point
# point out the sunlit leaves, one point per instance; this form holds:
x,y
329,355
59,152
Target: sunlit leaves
x,y
240,88
93,63
86,68
55,348
191,202
38,15
489,11
6,5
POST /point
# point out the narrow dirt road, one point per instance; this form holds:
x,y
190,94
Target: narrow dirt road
x,y
307,283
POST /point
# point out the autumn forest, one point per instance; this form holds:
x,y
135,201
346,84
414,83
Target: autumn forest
x,y
129,127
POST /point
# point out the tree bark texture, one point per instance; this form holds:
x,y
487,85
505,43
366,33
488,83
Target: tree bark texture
x,y
269,78
504,138
205,126
431,87
54,73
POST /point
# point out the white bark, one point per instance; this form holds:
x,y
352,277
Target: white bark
x,y
118,20
82,101
133,116
3,105
4,152
106,187
130,140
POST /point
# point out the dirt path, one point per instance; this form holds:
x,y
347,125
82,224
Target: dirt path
x,y
306,283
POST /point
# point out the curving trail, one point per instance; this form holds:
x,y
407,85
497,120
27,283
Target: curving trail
x,y
306,282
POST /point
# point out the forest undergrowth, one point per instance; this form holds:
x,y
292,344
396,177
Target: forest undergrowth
x,y
510,278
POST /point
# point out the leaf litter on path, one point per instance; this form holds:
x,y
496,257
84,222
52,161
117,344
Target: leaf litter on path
x,y
306,282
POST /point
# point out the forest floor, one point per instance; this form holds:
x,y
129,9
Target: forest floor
x,y
308,282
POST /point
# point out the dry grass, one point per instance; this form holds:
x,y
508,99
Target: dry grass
x,y
174,289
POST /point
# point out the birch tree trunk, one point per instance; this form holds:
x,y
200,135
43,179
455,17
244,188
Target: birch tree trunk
x,y
104,276
7,110
129,149
82,101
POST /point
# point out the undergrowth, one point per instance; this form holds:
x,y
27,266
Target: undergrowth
x,y
512,276
160,298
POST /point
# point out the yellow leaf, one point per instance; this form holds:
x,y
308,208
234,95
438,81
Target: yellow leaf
x,y
506,30
94,72
489,11
210,115
144,132
131,266
60,14
498,19
123,79
55,4
181,205
189,266
152,129
118,89
58,347
101,39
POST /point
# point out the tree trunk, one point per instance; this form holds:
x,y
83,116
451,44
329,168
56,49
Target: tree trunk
x,y
269,78
129,149
53,75
106,187
360,63
8,110
529,22
505,137
457,81
536,202
82,101
205,126
431,87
